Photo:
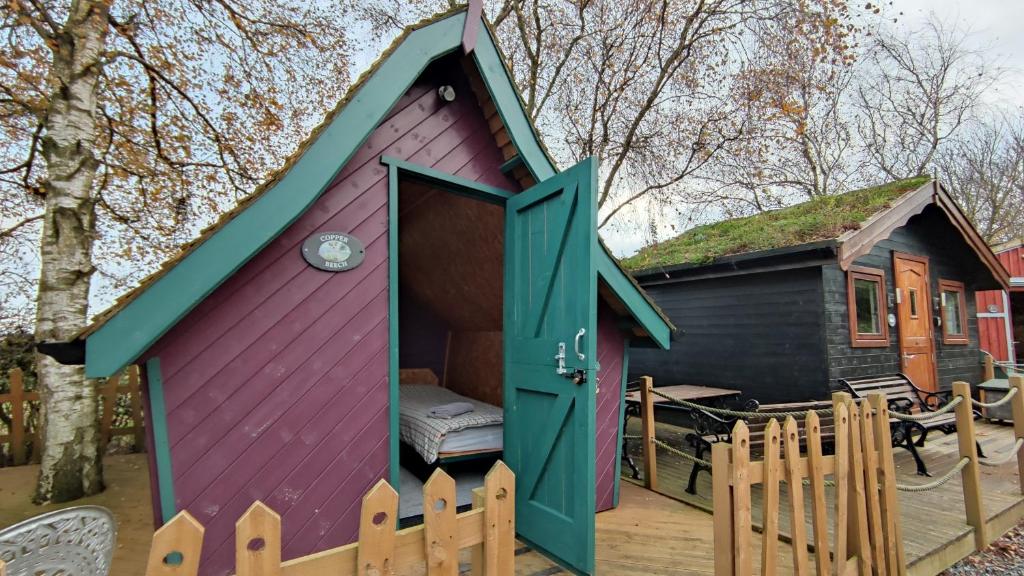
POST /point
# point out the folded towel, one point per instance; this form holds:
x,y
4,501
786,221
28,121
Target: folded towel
x,y
450,410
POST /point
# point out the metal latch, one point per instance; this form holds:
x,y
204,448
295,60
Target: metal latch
x,y
560,357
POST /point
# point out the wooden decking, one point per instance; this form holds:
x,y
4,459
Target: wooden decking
x,y
647,534
935,531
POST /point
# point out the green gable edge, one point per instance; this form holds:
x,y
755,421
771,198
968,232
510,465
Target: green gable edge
x,y
124,336
825,218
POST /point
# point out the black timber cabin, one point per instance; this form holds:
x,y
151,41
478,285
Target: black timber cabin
x,y
782,304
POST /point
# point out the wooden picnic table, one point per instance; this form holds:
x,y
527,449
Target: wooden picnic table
x,y
686,392
709,395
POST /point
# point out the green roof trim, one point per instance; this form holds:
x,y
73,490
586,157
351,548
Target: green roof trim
x,y
824,218
649,317
128,329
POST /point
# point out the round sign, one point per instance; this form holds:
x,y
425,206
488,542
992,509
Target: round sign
x,y
333,251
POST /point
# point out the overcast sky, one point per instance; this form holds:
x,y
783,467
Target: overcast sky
x,y
995,25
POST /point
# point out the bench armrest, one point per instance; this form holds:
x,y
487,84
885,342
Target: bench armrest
x,y
708,424
931,401
901,405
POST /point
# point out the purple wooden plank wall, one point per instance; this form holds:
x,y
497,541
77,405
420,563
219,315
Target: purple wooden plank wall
x,y
276,384
610,347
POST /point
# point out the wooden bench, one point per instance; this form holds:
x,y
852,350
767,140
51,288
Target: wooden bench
x,y
710,428
906,398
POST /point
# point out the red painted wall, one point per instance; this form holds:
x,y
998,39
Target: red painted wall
x,y
1013,260
610,349
276,384
992,331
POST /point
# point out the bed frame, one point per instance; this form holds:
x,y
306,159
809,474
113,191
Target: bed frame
x,y
409,455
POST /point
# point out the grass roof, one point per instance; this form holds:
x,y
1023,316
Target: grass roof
x,y
819,219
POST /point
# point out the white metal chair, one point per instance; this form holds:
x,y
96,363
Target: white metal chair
x,y
75,541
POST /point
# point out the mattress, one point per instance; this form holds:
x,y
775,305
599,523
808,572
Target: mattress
x,y
473,440
425,434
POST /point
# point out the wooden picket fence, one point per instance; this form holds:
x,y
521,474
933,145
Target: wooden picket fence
x,y
865,517
22,439
488,530
867,535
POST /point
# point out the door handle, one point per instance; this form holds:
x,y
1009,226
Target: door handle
x,y
576,344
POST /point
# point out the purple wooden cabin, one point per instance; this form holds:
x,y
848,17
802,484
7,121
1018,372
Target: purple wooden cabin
x,y
270,378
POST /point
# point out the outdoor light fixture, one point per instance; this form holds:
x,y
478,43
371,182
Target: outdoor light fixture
x,y
447,93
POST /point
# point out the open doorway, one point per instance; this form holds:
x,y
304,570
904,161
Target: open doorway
x,y
450,314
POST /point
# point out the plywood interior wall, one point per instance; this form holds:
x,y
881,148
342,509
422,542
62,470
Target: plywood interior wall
x,y
475,365
451,254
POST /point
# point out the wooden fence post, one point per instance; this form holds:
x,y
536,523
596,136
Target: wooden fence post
x,y
989,372
17,435
108,397
816,472
439,525
499,521
647,420
741,520
892,524
135,397
971,474
795,483
859,541
476,554
258,542
770,505
841,419
722,506
176,547
874,506
1017,381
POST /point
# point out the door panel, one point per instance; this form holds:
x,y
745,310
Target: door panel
x,y
914,315
550,297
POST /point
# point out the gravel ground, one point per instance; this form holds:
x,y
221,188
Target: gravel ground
x,y
1005,557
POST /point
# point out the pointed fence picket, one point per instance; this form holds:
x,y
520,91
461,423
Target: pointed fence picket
x,y
488,530
866,538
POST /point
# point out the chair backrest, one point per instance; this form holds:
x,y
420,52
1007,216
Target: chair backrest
x,y
894,386
77,540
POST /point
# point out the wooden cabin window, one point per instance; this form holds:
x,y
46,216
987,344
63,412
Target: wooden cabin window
x,y
912,295
954,312
867,307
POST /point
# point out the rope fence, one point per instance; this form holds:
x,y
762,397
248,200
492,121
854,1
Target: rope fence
x,y
1005,459
737,413
878,419
921,417
938,481
1004,400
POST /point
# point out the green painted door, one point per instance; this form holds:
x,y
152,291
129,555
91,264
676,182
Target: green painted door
x,y
550,362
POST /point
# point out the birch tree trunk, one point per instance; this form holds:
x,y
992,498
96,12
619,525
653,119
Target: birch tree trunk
x,y
71,465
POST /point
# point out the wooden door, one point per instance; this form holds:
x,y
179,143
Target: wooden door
x,y
914,320
550,362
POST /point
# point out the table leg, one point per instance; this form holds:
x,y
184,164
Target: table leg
x,y
625,447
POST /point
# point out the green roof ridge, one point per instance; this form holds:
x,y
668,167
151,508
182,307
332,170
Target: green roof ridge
x,y
823,218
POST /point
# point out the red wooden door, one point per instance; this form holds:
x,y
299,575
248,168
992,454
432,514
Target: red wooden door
x,y
914,317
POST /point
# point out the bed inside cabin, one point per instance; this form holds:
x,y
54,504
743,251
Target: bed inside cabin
x,y
450,262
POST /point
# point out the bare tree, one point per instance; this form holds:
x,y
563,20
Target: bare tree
x,y
984,168
644,85
918,89
798,141
130,124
